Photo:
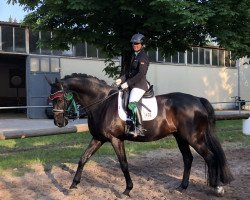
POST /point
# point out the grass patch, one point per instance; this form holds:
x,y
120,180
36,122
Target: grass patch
x,y
231,131
18,155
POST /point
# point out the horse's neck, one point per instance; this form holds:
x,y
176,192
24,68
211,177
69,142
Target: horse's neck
x,y
88,91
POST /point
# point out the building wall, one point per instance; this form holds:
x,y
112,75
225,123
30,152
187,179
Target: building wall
x,y
217,84
86,66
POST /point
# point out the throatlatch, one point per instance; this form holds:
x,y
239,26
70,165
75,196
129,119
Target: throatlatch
x,y
72,109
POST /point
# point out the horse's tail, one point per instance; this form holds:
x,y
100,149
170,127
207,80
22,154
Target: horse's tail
x,y
210,111
220,167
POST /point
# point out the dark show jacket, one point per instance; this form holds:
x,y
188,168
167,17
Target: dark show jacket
x,y
135,76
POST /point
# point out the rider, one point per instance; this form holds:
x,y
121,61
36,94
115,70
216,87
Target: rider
x,y
135,79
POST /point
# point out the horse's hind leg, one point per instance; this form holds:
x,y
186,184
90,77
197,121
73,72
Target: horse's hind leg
x,y
94,145
212,164
120,152
187,159
218,171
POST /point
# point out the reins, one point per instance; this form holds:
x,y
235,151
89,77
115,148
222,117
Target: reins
x,y
68,96
99,101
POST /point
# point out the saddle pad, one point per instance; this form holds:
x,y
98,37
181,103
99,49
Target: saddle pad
x,y
150,103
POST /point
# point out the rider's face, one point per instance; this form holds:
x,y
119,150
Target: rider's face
x,y
137,46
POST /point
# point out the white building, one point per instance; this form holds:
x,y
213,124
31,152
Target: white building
x,y
205,72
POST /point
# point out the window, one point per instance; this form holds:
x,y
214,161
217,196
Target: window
x,y
201,56
215,57
34,64
175,58
181,57
69,51
7,38
57,52
189,57
168,59
101,54
207,56
160,56
221,58
227,59
91,51
80,50
20,45
33,41
0,38
195,55
45,36
152,56
54,64
233,63
45,64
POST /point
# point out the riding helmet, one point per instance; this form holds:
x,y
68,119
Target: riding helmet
x,y
137,38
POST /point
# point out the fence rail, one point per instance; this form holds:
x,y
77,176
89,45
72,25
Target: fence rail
x,y
30,133
4,135
21,107
232,116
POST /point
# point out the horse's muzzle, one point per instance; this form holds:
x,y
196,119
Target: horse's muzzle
x,y
62,123
60,120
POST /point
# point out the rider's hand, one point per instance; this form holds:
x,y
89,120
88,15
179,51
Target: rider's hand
x,y
118,81
124,85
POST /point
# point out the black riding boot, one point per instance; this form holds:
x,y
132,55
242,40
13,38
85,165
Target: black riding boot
x,y
138,128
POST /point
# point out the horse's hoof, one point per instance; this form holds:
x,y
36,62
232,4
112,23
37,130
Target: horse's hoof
x,y
180,189
73,186
126,192
219,191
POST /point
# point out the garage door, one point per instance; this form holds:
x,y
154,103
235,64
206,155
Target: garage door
x,y
38,89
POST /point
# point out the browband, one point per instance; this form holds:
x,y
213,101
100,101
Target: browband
x,y
56,95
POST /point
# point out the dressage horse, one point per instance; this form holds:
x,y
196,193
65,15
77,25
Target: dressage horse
x,y
190,119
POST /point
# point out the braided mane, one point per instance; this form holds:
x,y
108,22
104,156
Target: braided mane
x,y
83,76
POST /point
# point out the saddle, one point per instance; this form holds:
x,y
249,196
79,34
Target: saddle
x,y
149,108
125,97
147,105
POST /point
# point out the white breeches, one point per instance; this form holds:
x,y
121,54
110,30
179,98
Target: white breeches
x,y
136,94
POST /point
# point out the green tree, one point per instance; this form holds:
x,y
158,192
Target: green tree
x,y
170,25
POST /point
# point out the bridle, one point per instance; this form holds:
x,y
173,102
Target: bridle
x,y
69,97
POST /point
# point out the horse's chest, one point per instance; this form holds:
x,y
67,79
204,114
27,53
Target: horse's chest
x,y
97,130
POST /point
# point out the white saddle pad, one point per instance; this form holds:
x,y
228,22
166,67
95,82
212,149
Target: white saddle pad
x,y
150,103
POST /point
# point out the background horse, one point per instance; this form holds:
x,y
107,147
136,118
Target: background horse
x,y
190,119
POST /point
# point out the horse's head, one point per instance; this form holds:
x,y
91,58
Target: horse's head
x,y
61,100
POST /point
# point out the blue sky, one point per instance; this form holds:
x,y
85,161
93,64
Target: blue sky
x,y
7,10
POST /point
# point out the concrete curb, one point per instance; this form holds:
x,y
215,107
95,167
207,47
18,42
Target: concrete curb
x,y
42,132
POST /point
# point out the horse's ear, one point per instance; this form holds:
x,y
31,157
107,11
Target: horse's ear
x,y
58,81
48,80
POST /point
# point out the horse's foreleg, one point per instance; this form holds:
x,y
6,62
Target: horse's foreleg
x,y
94,145
120,152
187,159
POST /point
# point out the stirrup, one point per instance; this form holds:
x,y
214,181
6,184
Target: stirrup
x,y
137,132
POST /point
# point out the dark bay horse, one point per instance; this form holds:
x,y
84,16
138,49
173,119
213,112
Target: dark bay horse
x,y
192,118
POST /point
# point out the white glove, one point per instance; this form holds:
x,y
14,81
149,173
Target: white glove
x,y
124,85
118,81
